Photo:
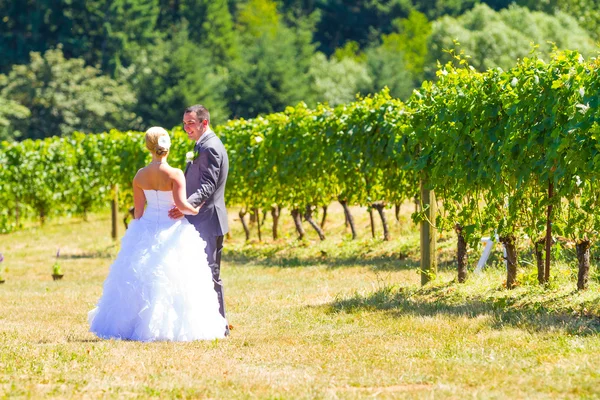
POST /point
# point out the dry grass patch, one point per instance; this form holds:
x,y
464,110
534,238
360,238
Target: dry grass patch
x,y
332,319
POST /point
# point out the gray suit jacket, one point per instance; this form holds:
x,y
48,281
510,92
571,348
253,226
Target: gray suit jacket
x,y
206,177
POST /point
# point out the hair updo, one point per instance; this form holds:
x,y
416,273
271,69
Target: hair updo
x,y
158,140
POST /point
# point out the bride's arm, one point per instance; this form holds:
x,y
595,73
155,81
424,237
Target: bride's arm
x,y
139,200
179,194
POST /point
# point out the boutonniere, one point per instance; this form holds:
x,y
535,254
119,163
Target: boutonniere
x,y
191,156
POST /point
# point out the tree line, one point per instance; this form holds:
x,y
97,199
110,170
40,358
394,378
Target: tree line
x,y
94,65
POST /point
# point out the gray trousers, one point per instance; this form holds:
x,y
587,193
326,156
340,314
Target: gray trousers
x,y
214,248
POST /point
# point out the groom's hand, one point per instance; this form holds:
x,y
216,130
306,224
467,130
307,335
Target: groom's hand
x,y
175,213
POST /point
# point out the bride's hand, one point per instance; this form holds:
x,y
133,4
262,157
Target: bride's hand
x,y
175,213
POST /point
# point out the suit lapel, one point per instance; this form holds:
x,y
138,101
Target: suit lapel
x,y
187,165
207,135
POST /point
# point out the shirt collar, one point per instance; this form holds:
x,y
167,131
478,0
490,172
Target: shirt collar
x,y
208,131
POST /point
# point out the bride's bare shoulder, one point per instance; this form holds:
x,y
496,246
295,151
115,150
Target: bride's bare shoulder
x,y
139,174
174,170
175,173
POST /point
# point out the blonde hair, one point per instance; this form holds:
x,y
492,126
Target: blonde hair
x,y
152,138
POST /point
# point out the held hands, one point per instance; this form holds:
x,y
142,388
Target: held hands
x,y
175,213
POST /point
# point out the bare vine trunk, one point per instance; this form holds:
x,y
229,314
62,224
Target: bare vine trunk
x,y
397,212
380,207
324,219
372,222
298,223
242,213
583,256
316,227
275,216
258,223
264,217
349,218
511,259
115,211
461,252
539,259
548,233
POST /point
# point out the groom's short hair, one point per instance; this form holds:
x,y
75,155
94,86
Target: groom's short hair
x,y
200,111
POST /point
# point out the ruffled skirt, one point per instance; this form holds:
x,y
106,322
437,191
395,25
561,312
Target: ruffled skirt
x,y
160,287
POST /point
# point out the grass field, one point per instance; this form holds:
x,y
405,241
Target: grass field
x,y
332,319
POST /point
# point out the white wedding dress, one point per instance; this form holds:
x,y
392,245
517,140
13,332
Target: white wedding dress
x,y
160,286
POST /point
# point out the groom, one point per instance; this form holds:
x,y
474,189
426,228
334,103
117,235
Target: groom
x,y
206,177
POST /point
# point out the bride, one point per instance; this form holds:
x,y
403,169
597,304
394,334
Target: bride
x,y
160,286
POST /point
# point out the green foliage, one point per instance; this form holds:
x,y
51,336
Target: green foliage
x,y
586,12
258,18
43,180
437,8
211,29
398,62
104,33
10,110
358,21
411,39
350,50
496,141
243,58
305,157
387,67
270,74
66,175
489,144
364,22
496,39
336,81
65,95
128,25
173,75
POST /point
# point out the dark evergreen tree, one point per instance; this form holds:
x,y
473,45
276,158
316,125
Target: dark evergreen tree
x,y
102,32
272,72
388,68
216,33
357,20
175,74
65,96
434,9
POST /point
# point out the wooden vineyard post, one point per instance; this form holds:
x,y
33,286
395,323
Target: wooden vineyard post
x,y
115,209
428,235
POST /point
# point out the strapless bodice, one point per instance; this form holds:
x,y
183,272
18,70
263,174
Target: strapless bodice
x,y
158,204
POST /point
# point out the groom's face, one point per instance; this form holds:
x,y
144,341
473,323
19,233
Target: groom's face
x,y
193,126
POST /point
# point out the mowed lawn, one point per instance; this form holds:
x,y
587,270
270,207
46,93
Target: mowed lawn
x,y
337,319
